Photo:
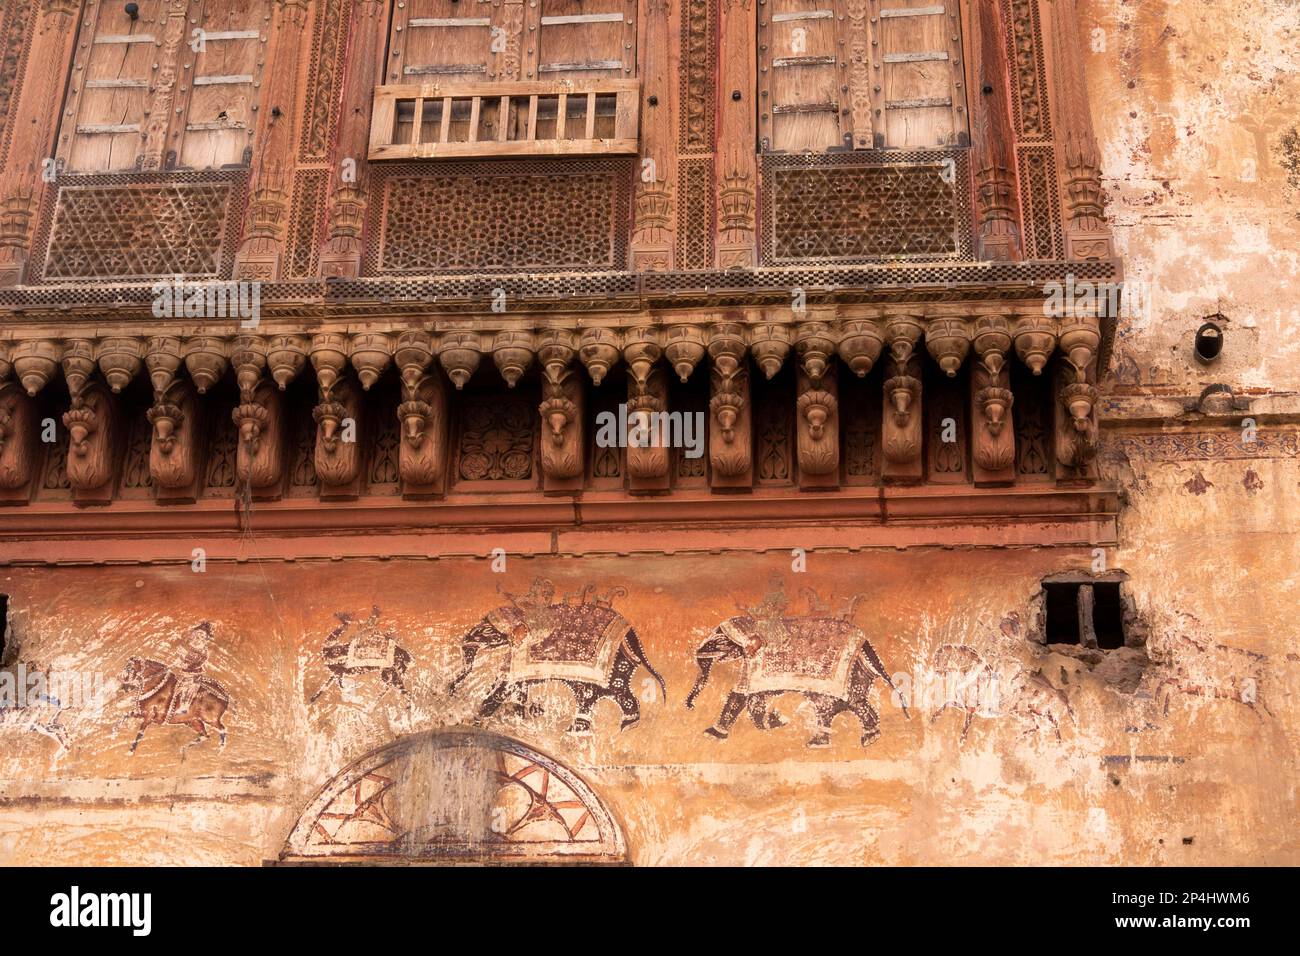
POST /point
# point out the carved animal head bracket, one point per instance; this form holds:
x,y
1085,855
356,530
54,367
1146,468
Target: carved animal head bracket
x,y
994,403
818,432
338,444
561,414
816,407
18,441
92,436
165,418
1076,444
259,460
422,455
175,447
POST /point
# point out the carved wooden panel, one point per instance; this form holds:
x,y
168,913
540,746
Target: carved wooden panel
x,y
324,78
435,40
946,433
497,437
1028,70
773,428
699,67
1040,202
865,206
860,411
306,222
501,216
1033,422
140,226
19,16
581,39
695,213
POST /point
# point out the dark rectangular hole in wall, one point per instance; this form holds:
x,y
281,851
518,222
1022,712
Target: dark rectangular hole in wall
x,y
1107,615
1062,613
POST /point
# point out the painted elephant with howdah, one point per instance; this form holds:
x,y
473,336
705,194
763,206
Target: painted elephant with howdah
x,y
827,659
588,645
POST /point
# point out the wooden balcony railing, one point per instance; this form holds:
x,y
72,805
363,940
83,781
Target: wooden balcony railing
x,y
436,120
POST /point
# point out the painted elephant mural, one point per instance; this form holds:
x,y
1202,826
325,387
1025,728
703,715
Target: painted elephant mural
x,y
825,657
587,645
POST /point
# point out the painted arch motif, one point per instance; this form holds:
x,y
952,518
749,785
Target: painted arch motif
x,y
456,796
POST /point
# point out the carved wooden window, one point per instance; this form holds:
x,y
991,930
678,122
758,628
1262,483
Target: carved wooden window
x,y
860,74
508,79
173,85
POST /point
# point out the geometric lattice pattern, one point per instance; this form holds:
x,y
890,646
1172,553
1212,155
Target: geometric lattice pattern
x,y
1040,202
847,208
504,217
140,230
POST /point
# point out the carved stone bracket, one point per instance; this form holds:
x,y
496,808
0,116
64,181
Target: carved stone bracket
x,y
993,442
647,453
259,461
1076,428
731,440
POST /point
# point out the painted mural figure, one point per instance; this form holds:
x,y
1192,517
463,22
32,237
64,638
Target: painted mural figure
x,y
587,645
369,650
177,695
825,657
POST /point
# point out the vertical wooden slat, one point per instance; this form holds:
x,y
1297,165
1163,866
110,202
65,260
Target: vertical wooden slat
x,y
560,112
503,118
532,118
591,116
474,107
418,120
445,131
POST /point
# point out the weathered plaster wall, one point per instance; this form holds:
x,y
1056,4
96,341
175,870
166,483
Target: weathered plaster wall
x,y
1194,106
1126,782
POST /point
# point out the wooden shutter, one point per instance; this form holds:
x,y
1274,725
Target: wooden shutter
x,y
921,101
585,39
221,86
112,75
799,101
436,41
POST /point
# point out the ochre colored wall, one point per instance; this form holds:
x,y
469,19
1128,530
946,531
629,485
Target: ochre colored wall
x,y
1126,783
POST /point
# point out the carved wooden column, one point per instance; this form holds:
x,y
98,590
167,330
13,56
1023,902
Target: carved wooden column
x,y
33,71
737,168
177,418
341,255
647,400
993,433
731,429
422,457
19,431
817,423
1087,235
902,424
994,166
260,458
563,452
652,247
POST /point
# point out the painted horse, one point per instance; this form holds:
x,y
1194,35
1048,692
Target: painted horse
x,y
163,697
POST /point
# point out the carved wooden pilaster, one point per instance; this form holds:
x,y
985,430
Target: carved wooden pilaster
x,y
902,424
34,71
339,430
258,258
737,168
653,245
1087,235
19,430
177,444
995,173
993,434
341,255
731,430
93,424
422,457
